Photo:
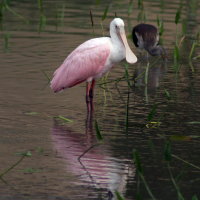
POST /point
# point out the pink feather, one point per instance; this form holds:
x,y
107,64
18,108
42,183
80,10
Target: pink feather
x,y
85,63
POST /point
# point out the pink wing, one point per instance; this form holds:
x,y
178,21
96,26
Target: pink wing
x,y
86,61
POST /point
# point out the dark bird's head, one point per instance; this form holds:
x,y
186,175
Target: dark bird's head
x,y
146,36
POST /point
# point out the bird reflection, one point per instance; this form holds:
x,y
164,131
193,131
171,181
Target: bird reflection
x,y
155,74
90,161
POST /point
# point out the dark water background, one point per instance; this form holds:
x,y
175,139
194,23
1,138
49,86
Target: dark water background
x,y
30,51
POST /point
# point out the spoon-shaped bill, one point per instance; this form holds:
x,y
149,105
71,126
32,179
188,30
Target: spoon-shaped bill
x,y
130,56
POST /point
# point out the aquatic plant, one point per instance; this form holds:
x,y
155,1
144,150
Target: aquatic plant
x,y
42,18
119,196
98,132
92,21
4,6
23,155
141,15
130,7
140,172
160,25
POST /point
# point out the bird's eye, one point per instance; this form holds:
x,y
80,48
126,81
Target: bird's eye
x,y
116,26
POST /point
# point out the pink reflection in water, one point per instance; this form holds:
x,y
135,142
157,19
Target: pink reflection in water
x,y
96,167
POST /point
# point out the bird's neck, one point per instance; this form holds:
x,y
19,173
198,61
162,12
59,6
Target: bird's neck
x,y
116,39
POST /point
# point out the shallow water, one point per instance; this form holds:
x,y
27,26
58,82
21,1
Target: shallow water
x,y
28,108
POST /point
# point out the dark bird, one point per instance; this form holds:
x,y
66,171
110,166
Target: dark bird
x,y
146,36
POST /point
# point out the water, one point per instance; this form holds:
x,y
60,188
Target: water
x,y
28,108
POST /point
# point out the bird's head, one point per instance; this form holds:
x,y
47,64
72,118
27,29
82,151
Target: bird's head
x,y
117,29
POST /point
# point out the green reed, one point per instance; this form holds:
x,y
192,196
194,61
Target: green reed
x,y
42,18
177,20
152,112
127,77
6,37
140,172
146,74
176,55
46,75
194,45
130,7
127,113
104,16
98,132
60,16
195,197
23,155
105,13
64,119
186,162
141,15
40,4
92,21
160,25
119,196
140,4
168,158
167,94
4,6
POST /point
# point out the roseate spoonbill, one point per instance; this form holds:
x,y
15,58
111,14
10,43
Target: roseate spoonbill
x,y
92,59
145,36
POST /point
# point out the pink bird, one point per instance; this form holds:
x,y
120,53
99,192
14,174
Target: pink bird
x,y
92,59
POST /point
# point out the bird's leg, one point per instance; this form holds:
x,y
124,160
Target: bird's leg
x,y
91,89
89,96
88,86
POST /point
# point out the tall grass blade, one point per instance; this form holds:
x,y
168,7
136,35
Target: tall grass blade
x,y
64,119
6,41
152,112
141,16
2,9
130,7
127,113
195,197
194,44
180,196
184,27
139,169
178,16
160,25
140,4
42,22
45,74
176,54
167,151
136,159
16,14
176,58
186,162
91,18
167,94
62,15
92,21
105,13
146,74
127,75
119,196
23,155
98,132
97,2
40,4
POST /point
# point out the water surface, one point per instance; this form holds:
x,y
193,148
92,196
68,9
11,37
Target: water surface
x,y
28,107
